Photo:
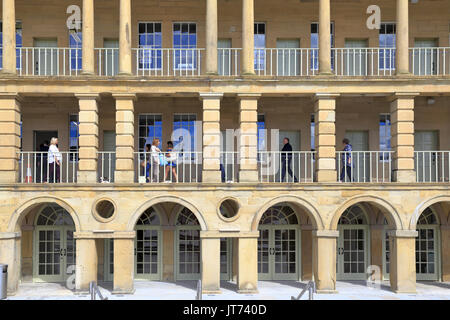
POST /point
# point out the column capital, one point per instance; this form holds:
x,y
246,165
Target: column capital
x,y
87,96
326,233
248,96
210,95
403,95
319,96
403,233
125,96
11,95
10,235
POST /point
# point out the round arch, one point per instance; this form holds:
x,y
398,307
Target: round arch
x,y
20,213
392,214
161,199
311,211
422,206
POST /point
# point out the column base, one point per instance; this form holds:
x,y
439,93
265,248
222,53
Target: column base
x,y
248,291
248,176
87,177
326,73
211,291
124,74
405,291
118,291
87,73
211,176
405,176
124,176
325,291
81,292
326,176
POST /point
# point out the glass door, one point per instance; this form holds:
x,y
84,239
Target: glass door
x,y
352,252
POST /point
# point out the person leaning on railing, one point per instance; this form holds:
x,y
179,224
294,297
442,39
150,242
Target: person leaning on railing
x,y
54,161
155,160
346,160
171,157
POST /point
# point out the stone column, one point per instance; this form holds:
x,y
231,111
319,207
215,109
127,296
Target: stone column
x,y
402,266
402,141
211,37
402,41
88,37
248,42
9,36
445,249
325,137
124,263
9,137
306,252
125,38
211,137
88,140
248,137
376,247
124,138
247,277
87,262
324,260
210,268
10,254
324,37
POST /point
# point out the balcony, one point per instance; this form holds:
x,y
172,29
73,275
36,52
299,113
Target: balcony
x,y
301,62
273,167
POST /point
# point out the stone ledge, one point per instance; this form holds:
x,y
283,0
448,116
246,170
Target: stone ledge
x,y
403,233
10,235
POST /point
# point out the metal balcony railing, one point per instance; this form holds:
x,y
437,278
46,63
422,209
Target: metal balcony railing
x,y
432,166
364,166
288,167
429,61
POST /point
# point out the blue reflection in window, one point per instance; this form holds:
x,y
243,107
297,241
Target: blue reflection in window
x,y
387,39
184,132
185,43
75,44
18,44
150,42
314,54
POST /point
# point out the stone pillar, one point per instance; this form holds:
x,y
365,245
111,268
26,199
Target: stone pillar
x,y
9,137
325,137
306,252
10,254
324,260
9,36
402,267
248,42
402,41
87,262
211,137
402,141
210,268
88,37
324,37
124,263
168,272
445,249
247,277
88,140
211,37
124,138
248,137
376,246
125,38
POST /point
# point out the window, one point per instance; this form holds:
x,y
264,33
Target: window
x,y
18,44
313,132
150,127
150,43
261,125
260,45
74,134
184,132
385,136
185,38
315,44
387,40
75,44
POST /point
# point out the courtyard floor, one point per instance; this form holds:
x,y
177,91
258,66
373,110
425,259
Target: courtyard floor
x,y
280,290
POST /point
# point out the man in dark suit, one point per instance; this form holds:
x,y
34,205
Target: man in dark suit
x,y
286,160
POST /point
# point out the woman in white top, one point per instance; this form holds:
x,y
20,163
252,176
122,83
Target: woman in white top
x,y
155,160
54,161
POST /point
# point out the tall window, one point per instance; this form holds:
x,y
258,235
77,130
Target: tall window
x,y
184,132
74,134
150,41
75,44
313,132
185,43
18,43
387,39
385,135
260,45
261,125
150,127
315,45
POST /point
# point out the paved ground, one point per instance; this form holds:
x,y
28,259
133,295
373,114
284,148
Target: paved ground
x,y
186,290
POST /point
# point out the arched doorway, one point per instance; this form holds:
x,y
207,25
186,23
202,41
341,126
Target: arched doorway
x,y
54,254
427,246
187,246
278,244
352,245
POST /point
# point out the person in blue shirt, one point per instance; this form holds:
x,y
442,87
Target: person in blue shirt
x,y
286,160
346,161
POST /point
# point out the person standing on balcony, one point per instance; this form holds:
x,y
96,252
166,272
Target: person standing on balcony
x,y
346,160
171,164
41,175
286,160
145,163
155,160
54,161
